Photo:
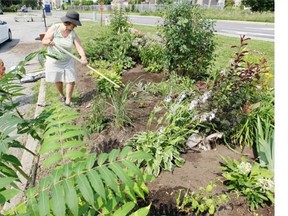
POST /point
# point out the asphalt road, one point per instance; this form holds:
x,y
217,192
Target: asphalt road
x,y
254,30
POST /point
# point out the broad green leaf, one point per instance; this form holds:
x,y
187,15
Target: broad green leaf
x,y
9,193
58,202
43,206
133,168
124,210
56,175
144,187
102,158
139,155
7,170
125,151
5,181
111,205
71,134
32,205
138,190
99,202
97,183
142,212
71,196
67,170
130,193
113,155
11,159
73,154
52,160
109,178
121,174
50,144
85,189
91,161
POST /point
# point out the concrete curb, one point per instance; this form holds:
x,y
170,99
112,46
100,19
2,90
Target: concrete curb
x,y
27,159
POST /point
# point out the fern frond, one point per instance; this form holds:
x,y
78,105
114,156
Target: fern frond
x,y
112,186
61,137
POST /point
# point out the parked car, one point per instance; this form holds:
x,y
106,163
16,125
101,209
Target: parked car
x,y
5,32
1,11
24,9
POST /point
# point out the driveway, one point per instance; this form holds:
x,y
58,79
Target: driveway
x,y
24,34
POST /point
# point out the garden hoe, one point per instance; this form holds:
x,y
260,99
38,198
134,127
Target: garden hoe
x,y
73,56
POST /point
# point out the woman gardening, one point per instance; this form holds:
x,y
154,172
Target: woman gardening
x,y
62,69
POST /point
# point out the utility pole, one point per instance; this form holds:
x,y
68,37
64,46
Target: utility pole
x,y
101,11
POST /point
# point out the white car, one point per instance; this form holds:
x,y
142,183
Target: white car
x,y
5,32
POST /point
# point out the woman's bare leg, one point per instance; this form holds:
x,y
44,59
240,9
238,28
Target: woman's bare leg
x,y
59,86
69,91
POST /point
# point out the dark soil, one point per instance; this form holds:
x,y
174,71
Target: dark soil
x,y
199,169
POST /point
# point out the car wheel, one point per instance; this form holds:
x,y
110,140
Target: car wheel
x,y
10,35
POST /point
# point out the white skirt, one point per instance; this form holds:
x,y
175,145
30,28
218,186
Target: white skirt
x,y
60,71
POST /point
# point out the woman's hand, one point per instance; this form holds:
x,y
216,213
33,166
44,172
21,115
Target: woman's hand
x,y
51,43
84,60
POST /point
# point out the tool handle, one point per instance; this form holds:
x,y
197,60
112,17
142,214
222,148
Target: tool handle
x,y
76,58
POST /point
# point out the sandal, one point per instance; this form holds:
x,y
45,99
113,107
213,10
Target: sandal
x,y
62,99
71,105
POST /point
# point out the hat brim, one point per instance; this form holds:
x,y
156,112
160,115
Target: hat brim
x,y
67,19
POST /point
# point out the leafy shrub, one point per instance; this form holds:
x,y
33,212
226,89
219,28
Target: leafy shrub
x,y
188,40
152,55
237,93
115,48
249,180
105,86
119,21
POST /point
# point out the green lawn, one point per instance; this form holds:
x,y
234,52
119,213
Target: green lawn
x,y
223,52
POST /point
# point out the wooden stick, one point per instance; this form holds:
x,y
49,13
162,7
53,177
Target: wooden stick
x,y
73,56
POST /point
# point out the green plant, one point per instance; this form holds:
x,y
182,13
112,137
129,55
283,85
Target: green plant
x,y
119,101
12,125
249,180
96,121
172,86
152,55
166,143
265,144
119,21
81,183
202,201
65,137
188,37
116,48
245,133
236,91
109,71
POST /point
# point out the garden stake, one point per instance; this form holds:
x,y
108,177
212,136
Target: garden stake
x,y
73,56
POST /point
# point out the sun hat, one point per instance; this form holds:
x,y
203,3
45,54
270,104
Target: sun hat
x,y
72,17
